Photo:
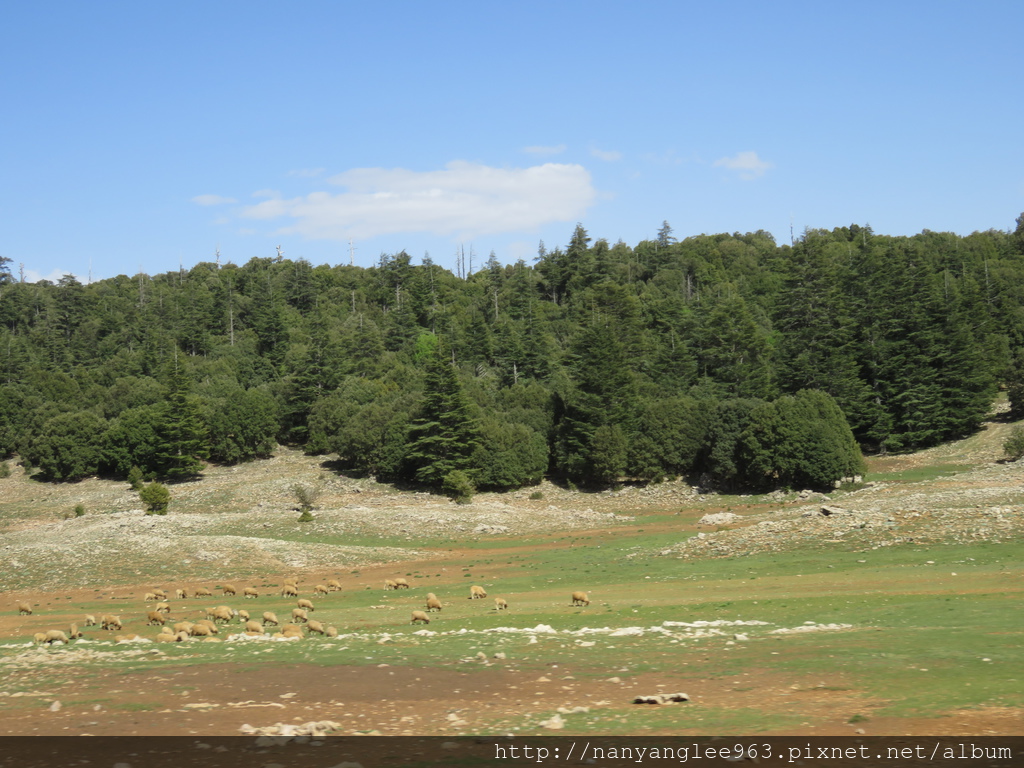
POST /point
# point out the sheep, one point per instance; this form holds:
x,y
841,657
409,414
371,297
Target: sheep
x,y
320,589
39,638
166,636
253,627
250,592
202,592
155,617
243,615
24,609
199,630
90,620
401,584
212,640
229,589
55,636
214,630
269,618
307,604
181,593
580,598
315,626
221,613
149,596
289,590
419,617
74,633
500,604
299,615
334,585
163,607
292,630
182,626
331,632
161,595
389,584
477,591
292,580
433,604
181,637
431,596
107,621
126,638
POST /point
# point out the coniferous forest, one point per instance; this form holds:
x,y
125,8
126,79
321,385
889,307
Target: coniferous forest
x,y
730,358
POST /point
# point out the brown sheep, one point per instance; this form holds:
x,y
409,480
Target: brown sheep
x,y
250,592
24,609
269,618
221,613
320,589
477,591
209,625
107,621
181,593
243,615
149,596
334,585
289,590
155,617
331,632
500,604
401,584
315,626
389,584
160,594
433,604
75,633
199,630
90,620
580,598
39,638
299,615
229,589
253,627
307,604
55,636
182,626
203,592
419,617
163,607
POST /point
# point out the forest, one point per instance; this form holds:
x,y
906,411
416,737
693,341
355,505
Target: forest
x,y
727,359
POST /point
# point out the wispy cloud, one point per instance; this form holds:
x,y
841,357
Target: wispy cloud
x,y
540,150
464,199
606,155
747,164
31,276
212,200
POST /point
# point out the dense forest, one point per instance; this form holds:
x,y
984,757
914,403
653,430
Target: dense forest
x,y
725,357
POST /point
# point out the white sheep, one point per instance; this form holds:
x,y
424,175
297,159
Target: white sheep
x,y
289,590
155,617
269,618
243,615
334,585
74,633
109,621
500,604
331,632
203,592
476,591
580,598
181,593
433,604
90,620
221,613
419,617
320,589
24,609
229,589
55,636
389,584
307,604
253,627
315,626
401,584
299,615
250,592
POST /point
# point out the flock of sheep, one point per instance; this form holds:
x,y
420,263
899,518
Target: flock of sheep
x,y
205,629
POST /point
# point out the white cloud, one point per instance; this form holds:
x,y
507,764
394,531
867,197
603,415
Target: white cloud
x,y
212,200
749,165
31,276
540,150
608,156
464,199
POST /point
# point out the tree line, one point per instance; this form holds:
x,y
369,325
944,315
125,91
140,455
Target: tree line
x,y
725,357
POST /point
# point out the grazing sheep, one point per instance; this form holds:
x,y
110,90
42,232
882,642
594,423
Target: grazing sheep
x,y
299,615
269,618
212,640
163,607
477,591
307,604
149,596
181,593
292,630
331,632
182,626
401,584
107,621
243,615
181,637
320,589
500,604
75,633
253,627
209,625
199,630
334,585
55,636
250,592
90,620
289,590
389,584
160,594
24,609
419,617
433,604
580,598
39,638
229,589
203,592
166,636
221,613
315,626
155,617
431,596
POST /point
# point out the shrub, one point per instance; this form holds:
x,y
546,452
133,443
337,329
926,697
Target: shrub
x,y
79,510
306,516
135,478
5,469
458,487
537,495
1014,445
156,497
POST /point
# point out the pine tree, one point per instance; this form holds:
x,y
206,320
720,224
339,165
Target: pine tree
x,y
183,433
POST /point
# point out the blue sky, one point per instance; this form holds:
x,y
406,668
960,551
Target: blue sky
x,y
141,135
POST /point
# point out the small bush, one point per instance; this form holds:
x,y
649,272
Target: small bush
x,y
306,516
79,510
458,487
156,497
306,495
536,495
1014,445
135,478
5,469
